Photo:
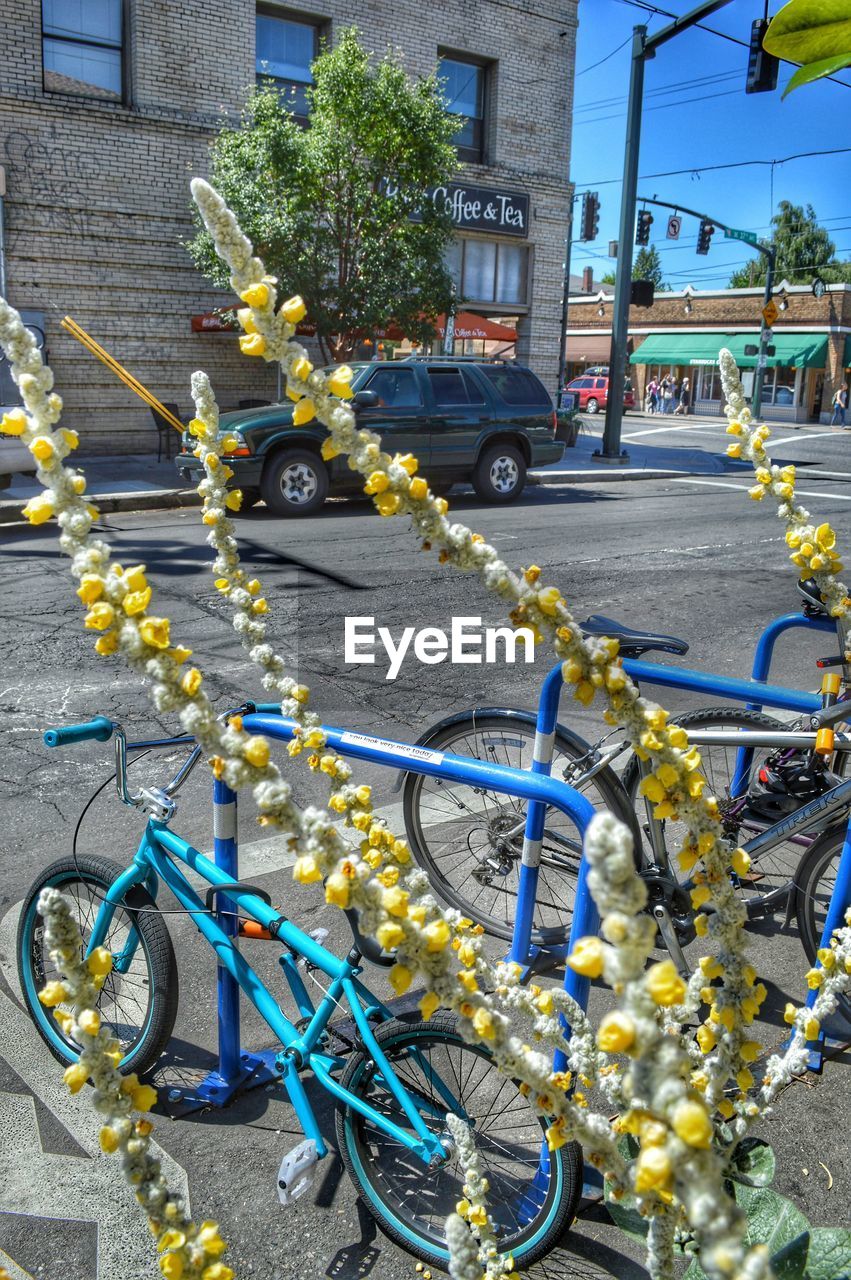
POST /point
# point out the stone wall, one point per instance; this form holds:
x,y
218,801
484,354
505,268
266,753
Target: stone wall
x,y
97,192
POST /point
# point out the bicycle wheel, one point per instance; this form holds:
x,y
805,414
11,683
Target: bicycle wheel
x,y
533,1192
815,884
772,868
138,1006
469,840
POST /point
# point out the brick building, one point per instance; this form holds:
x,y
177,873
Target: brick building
x,y
107,108
683,332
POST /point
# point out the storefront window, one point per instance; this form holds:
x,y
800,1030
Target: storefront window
x,y
464,95
479,279
285,50
489,271
781,387
82,47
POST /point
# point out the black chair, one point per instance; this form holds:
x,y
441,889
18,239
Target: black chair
x,y
165,431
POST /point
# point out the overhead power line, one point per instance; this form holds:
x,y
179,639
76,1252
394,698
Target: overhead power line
x,y
595,65
709,168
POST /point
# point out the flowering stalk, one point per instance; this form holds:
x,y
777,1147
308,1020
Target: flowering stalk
x,y
472,1213
187,1251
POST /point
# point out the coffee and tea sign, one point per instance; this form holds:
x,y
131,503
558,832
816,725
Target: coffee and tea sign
x,y
480,208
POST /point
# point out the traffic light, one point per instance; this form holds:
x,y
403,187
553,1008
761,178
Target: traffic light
x,y
642,230
704,235
641,293
762,66
590,215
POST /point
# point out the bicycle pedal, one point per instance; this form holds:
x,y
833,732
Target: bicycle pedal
x,y
296,1173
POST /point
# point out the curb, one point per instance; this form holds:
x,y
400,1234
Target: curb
x,y
11,512
615,473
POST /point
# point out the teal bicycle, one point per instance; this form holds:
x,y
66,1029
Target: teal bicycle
x,y
393,1078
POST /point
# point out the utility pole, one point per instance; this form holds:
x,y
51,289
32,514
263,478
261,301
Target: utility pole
x,y
643,48
562,352
759,377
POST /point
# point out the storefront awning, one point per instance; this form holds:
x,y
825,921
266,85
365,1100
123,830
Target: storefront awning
x,y
590,348
846,359
795,350
467,325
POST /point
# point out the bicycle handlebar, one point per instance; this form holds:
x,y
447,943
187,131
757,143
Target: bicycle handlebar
x,y
98,730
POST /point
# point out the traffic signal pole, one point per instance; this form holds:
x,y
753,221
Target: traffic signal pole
x,y
643,47
562,350
759,378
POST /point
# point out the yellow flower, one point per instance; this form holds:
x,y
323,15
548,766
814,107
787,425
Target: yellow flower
x,y
306,869
256,752
653,1170
38,509
706,1039
256,295
99,963
260,605
749,1050
136,601
134,578
191,681
429,1005
549,599
616,1033
107,644
173,1239
13,423
75,1076
812,1028
740,862
246,319
293,310
304,411
400,978
377,482
419,489
441,506
734,450
144,1097
436,935
389,935
587,957
692,1123
100,616
217,1271
210,1240
826,958
726,1108
664,984
484,1024
744,1079
734,429
340,382
387,504
154,632
171,1265
302,368
329,450
815,977
252,344
757,492
228,443
52,994
233,501
89,1022
467,979
108,1139
337,889
42,449
545,1002
700,895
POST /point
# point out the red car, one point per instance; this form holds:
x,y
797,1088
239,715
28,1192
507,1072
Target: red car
x,y
592,393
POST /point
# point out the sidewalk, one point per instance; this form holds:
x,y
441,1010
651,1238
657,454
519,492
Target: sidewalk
x,y
130,482
651,460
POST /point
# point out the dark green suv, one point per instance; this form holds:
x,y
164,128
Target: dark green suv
x,y
485,422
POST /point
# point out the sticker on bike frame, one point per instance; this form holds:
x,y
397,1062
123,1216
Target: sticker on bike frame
x,y
401,749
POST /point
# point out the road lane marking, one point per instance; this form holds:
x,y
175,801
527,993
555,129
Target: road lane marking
x,y
655,431
724,484
817,435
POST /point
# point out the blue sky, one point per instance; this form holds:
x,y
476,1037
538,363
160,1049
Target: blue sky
x,y
712,122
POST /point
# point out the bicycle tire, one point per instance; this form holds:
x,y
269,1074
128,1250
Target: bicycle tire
x,y
813,891
771,869
388,1198
145,1045
556,885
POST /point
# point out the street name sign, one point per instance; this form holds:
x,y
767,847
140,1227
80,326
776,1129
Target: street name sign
x,y
730,233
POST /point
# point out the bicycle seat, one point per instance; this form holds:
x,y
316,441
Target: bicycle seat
x,y
632,643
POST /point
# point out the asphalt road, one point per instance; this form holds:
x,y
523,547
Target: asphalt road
x,y
692,557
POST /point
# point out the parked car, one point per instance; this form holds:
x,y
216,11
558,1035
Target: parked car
x,y
593,393
481,421
15,457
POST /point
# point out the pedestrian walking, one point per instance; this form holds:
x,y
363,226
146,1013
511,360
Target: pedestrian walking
x,y
652,397
840,404
668,394
685,398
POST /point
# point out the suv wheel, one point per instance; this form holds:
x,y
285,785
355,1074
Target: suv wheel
x,y
294,483
500,474
591,405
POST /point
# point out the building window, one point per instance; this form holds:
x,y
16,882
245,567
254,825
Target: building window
x,y
489,271
781,386
83,47
285,50
464,96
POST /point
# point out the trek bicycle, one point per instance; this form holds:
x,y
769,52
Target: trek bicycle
x,y
781,797
393,1079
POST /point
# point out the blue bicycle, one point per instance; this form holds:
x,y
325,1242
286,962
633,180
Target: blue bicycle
x,y
393,1078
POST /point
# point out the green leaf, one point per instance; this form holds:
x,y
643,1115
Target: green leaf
x,y
829,1256
625,1215
695,1272
772,1219
753,1163
817,71
790,1262
807,31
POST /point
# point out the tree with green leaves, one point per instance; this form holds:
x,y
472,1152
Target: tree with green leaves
x,y
646,265
804,249
338,209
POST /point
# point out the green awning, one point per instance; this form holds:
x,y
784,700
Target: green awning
x,y
795,350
